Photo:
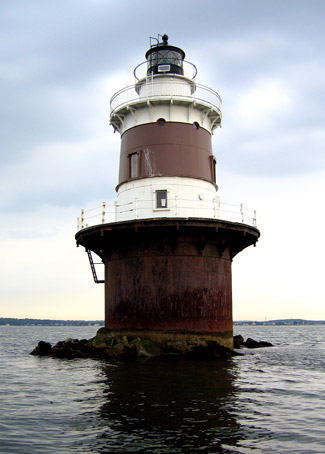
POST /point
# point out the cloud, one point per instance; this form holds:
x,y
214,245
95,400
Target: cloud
x,y
280,277
64,170
259,108
44,274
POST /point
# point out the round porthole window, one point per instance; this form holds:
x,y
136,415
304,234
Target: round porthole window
x,y
161,122
196,125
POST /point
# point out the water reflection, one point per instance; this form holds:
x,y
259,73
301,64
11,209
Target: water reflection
x,y
169,405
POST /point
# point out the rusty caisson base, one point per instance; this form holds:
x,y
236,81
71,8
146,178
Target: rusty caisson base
x,y
169,278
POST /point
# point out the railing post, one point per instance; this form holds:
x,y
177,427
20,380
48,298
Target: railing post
x,y
242,212
78,224
82,219
254,219
103,213
215,207
115,209
136,208
176,205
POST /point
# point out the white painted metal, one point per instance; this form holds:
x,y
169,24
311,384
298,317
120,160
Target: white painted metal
x,y
165,85
186,198
161,91
170,112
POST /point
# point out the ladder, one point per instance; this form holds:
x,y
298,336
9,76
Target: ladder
x,y
93,269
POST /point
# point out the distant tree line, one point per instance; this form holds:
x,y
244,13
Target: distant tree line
x,y
285,321
47,322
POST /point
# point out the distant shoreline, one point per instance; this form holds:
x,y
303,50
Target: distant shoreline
x,y
47,322
282,322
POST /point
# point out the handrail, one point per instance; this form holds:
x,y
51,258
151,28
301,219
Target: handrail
x,y
170,60
224,211
172,88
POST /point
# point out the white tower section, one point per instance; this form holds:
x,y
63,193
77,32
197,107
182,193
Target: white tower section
x,y
166,120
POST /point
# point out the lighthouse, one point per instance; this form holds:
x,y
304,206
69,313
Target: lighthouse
x,y
168,252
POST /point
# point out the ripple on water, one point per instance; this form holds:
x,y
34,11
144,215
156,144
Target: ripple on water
x,y
268,400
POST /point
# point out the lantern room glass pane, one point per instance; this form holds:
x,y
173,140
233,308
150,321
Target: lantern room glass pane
x,y
165,56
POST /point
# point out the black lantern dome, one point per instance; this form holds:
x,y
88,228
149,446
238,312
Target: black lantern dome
x,y
163,58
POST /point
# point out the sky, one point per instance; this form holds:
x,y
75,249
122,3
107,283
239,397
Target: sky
x,y
61,61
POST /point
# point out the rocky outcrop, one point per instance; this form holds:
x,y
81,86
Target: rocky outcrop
x,y
251,343
108,344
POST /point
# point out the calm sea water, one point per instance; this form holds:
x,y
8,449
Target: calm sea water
x,y
269,400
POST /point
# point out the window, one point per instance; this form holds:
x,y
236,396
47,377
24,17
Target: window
x,y
161,122
196,125
214,169
133,165
161,199
163,68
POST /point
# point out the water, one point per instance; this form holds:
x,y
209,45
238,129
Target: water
x,y
269,400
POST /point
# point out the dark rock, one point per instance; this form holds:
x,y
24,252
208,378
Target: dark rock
x,y
265,344
196,347
211,350
73,348
42,349
238,341
144,348
251,343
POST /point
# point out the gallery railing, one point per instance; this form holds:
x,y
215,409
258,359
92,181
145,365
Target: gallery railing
x,y
111,212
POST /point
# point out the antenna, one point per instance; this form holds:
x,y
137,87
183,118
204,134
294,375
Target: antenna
x,y
164,39
156,39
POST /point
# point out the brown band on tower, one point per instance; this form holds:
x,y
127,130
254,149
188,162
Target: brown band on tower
x,y
172,149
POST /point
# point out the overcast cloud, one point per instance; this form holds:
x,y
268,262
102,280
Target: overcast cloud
x,y
61,61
